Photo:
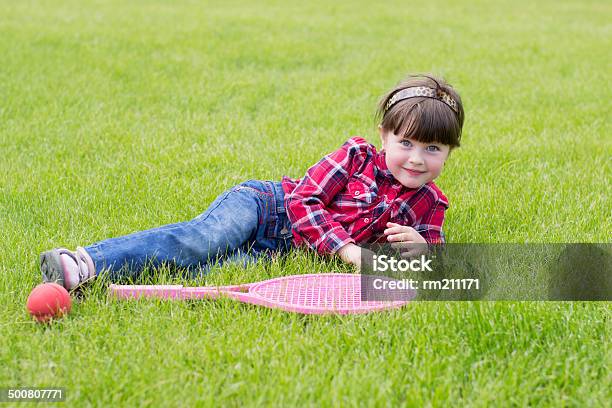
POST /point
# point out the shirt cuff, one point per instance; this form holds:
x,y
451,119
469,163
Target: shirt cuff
x,y
332,241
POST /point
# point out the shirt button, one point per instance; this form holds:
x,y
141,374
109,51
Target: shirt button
x,y
357,192
366,220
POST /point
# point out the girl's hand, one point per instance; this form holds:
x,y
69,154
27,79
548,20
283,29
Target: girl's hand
x,y
406,239
351,253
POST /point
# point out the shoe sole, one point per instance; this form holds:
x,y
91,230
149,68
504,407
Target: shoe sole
x,y
51,267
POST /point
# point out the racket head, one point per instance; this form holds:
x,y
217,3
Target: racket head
x,y
323,293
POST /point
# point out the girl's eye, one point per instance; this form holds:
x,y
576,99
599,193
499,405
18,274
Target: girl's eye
x,y
433,148
406,143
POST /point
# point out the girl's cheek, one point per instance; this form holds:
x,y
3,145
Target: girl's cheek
x,y
436,166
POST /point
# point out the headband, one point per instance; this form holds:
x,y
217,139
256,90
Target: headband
x,y
423,92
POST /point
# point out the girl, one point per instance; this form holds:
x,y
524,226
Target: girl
x,y
351,196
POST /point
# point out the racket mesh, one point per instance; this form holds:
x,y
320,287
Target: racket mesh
x,y
339,292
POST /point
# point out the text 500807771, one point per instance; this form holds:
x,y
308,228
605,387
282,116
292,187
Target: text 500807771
x,y
16,394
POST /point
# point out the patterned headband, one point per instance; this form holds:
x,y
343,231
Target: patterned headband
x,y
424,92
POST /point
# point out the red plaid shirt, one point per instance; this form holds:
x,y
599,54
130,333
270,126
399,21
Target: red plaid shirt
x,y
350,195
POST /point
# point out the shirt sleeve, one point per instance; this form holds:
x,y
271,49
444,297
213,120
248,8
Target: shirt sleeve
x,y
307,203
430,226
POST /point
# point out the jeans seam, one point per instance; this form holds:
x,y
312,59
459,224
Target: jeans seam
x,y
262,194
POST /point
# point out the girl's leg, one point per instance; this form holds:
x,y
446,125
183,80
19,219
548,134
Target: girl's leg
x,y
229,222
248,216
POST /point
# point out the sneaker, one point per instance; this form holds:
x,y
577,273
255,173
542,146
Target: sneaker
x,y
67,268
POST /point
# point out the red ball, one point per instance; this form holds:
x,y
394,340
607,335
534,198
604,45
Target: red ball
x,y
47,301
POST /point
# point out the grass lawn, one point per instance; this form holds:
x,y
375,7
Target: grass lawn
x,y
117,117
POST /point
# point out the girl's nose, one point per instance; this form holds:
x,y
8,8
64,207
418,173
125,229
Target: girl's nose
x,y
415,157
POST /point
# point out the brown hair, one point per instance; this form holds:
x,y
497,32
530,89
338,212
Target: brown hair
x,y
424,119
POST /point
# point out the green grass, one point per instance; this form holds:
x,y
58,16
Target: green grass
x,y
119,117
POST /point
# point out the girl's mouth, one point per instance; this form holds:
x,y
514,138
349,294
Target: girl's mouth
x,y
414,172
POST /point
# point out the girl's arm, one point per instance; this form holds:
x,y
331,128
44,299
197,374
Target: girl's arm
x,y
430,226
307,204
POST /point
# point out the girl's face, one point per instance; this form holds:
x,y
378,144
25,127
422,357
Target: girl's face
x,y
413,163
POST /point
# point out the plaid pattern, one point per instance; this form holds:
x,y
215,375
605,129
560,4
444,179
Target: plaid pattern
x,y
350,195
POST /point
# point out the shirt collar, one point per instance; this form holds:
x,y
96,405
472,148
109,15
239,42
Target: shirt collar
x,y
381,166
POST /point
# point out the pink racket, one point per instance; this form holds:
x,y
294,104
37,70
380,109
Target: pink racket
x,y
310,294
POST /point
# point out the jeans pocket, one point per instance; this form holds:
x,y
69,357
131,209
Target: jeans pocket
x,y
255,186
278,227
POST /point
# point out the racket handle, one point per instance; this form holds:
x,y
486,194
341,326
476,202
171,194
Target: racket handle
x,y
174,291
213,292
146,291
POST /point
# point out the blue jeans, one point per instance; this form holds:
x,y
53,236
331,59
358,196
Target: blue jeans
x,y
244,223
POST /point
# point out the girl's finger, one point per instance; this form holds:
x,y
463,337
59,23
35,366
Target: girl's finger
x,y
400,245
414,253
403,237
399,228
393,230
416,249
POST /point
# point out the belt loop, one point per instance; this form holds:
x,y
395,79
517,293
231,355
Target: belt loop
x,y
279,196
